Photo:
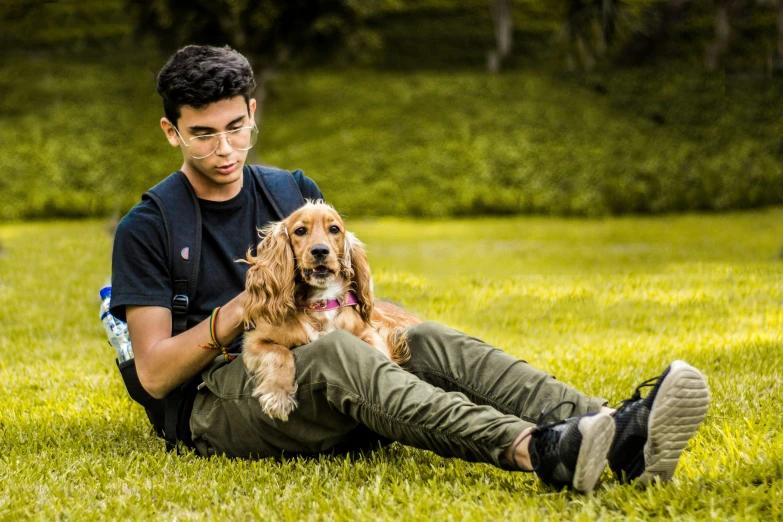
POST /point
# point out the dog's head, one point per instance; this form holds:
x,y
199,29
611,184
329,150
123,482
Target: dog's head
x,y
310,247
317,236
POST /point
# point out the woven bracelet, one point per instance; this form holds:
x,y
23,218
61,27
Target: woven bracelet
x,y
213,343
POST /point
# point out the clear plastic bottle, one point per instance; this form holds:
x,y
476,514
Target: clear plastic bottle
x,y
116,330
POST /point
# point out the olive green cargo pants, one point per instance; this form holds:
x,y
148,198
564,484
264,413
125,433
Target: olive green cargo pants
x,y
458,397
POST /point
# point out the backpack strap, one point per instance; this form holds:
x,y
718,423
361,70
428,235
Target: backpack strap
x,y
280,188
178,205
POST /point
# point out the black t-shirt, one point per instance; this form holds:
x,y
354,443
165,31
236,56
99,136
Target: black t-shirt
x,y
140,272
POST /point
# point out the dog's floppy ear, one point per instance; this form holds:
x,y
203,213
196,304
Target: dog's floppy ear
x,y
357,269
270,279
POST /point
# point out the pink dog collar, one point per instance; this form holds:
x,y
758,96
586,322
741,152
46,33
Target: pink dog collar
x,y
324,305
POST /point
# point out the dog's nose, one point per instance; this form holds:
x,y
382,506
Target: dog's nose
x,y
319,251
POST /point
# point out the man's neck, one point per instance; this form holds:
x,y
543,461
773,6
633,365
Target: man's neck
x,y
210,191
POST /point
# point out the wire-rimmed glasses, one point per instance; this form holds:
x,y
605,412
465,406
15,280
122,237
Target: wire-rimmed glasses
x,y
205,145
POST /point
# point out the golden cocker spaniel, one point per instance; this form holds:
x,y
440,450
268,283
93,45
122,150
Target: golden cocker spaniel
x,y
310,276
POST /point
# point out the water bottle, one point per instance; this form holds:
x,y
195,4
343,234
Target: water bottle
x,y
116,330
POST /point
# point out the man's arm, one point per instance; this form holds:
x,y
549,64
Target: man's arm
x,y
164,362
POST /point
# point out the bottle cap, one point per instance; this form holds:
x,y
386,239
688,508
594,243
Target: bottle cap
x,y
105,292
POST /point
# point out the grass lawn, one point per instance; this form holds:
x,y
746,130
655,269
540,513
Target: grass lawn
x,y
602,304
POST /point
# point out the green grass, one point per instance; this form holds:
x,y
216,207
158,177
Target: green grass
x,y
602,304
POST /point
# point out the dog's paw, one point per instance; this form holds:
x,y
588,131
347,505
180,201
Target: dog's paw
x,y
278,404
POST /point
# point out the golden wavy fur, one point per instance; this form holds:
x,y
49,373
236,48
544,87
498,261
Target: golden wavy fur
x,y
310,256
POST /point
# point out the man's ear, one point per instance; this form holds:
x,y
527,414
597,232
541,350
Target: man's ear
x,y
251,108
170,132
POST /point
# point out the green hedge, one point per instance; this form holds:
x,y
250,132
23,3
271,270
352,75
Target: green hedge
x,y
468,143
84,140
79,139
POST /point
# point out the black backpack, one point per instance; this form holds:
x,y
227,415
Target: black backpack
x,y
178,205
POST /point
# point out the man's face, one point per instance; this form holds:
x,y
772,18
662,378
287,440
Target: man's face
x,y
224,166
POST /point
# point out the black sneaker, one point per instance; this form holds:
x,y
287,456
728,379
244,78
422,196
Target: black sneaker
x,y
572,452
652,431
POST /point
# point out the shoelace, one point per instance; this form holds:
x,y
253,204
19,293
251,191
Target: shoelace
x,y
637,394
550,439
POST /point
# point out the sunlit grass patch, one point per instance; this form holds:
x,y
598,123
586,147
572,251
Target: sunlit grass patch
x,y
601,304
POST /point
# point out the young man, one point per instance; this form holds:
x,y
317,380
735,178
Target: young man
x,y
457,396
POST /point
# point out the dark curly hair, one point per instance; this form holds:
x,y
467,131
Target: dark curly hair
x,y
198,75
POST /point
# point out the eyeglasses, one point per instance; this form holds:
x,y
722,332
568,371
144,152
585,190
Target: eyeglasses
x,y
205,145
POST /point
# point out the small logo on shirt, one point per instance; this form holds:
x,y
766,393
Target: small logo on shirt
x,y
185,253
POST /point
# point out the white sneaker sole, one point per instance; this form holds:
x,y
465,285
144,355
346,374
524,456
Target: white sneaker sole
x,y
675,416
597,435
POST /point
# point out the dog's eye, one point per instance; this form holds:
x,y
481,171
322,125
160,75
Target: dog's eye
x,y
334,229
300,231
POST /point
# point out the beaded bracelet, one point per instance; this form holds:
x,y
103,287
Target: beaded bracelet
x,y
213,343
